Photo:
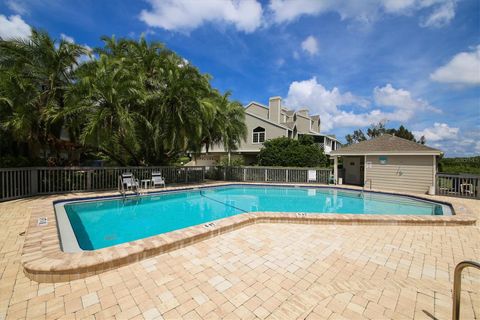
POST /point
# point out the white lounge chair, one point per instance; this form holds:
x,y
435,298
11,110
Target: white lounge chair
x,y
129,182
157,179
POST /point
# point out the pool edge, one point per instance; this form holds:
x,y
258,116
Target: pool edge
x,y
44,261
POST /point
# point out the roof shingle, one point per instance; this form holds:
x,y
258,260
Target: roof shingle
x,y
386,144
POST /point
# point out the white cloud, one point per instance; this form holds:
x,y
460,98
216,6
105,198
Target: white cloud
x,y
441,16
450,140
401,106
442,11
310,45
13,27
439,132
16,6
185,15
67,38
464,68
399,98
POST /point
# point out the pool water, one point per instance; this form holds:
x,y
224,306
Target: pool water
x,y
103,223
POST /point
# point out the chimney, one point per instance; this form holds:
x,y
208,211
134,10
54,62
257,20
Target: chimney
x,y
274,106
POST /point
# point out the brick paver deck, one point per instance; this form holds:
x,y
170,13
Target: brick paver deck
x,y
273,271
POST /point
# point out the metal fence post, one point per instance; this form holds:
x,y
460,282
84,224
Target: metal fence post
x,y
244,174
286,175
33,181
266,175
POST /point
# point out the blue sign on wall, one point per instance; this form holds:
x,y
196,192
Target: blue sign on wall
x,y
383,159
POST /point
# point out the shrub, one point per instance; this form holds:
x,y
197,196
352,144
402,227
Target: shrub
x,y
287,152
235,160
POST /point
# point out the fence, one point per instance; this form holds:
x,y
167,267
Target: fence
x,y
271,174
21,182
461,185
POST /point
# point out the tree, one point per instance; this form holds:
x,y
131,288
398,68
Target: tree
x,y
227,123
379,129
135,102
356,137
287,152
34,75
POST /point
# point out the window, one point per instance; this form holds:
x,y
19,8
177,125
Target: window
x,y
258,135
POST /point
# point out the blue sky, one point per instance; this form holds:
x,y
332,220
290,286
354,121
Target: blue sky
x,y
410,62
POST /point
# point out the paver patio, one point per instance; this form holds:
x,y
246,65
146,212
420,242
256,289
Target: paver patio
x,y
272,271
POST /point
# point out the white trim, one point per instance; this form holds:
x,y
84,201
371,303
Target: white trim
x,y
256,103
313,133
266,120
264,135
365,170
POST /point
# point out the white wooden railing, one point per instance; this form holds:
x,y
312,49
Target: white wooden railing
x,y
270,174
458,185
22,182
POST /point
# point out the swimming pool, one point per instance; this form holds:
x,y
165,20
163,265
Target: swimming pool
x,y
101,223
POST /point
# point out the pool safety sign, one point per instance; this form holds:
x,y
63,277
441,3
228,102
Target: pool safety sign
x,y
383,159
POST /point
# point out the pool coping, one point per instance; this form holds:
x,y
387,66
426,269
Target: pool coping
x,y
44,261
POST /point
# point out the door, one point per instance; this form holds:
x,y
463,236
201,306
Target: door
x,y
352,170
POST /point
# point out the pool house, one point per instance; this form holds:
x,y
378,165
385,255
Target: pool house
x,y
388,163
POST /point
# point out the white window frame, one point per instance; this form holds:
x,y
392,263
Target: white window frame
x,y
258,134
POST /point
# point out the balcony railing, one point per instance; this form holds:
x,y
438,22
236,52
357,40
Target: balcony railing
x,y
462,185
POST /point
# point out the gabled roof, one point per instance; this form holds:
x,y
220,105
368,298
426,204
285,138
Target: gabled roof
x,y
256,103
266,120
288,124
386,144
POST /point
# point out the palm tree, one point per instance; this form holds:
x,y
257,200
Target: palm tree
x,y
34,74
226,125
105,100
136,102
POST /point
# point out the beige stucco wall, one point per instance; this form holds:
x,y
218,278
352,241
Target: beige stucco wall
x,y
258,110
401,173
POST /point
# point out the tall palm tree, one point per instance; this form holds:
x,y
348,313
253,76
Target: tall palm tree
x,y
34,74
227,125
105,100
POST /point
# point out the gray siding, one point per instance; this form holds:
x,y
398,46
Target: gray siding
x,y
401,173
271,131
258,110
303,124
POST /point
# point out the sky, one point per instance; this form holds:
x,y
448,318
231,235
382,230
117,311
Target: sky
x,y
355,63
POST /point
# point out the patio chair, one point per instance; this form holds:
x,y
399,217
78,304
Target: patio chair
x,y
157,179
466,189
129,182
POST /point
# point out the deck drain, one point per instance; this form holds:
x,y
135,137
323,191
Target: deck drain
x,y
42,221
301,214
209,225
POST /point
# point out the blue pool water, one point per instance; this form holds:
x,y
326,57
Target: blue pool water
x,y
103,223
